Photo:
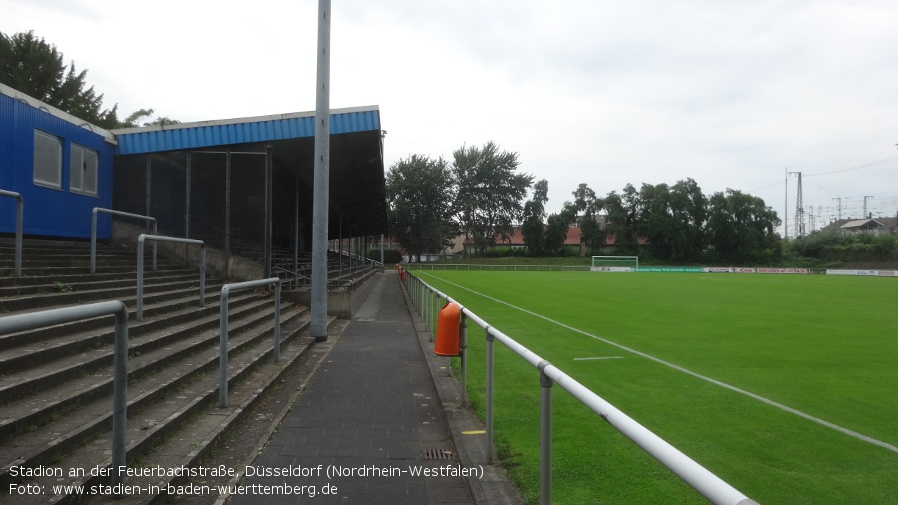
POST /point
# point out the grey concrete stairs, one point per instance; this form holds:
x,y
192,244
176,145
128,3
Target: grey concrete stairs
x,y
56,382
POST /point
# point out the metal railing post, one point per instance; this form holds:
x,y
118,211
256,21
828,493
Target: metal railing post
x,y
545,435
120,395
223,347
140,242
434,334
34,320
93,233
20,219
223,330
463,340
277,321
490,360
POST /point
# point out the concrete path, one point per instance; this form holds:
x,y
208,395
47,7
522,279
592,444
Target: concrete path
x,y
369,427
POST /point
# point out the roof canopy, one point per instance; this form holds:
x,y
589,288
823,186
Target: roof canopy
x,y
357,186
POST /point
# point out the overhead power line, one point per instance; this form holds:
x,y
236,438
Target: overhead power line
x,y
865,165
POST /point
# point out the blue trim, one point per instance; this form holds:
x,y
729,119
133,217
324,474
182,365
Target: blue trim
x,y
178,137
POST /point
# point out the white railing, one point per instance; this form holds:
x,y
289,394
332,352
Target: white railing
x,y
495,268
702,480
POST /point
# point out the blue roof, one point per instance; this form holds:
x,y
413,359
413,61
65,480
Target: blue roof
x,y
180,136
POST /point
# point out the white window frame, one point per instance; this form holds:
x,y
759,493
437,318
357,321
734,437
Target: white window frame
x,y
41,159
83,161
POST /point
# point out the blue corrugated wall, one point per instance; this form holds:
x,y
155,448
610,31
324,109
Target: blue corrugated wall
x,y
48,211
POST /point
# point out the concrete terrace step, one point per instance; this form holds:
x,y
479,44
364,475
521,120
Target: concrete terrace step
x,y
91,282
68,355
68,294
56,382
147,357
181,361
155,304
181,429
78,269
121,274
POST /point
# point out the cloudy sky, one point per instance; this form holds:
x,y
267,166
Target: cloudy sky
x,y
733,94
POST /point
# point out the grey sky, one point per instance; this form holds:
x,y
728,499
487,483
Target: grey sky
x,y
728,93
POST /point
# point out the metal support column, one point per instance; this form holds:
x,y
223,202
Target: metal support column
x,y
320,205
227,246
269,176
187,172
296,228
149,184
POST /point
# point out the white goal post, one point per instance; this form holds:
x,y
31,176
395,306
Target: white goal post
x,y
615,263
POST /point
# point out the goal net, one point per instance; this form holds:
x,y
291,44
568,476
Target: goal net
x,y
615,263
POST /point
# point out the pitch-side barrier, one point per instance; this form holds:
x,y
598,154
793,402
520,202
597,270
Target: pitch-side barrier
x,y
667,269
702,480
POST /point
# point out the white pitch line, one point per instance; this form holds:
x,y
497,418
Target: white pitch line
x,y
760,398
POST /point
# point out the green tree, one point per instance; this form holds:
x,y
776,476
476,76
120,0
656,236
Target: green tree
x,y
420,192
591,234
690,206
672,220
135,118
623,212
740,227
490,193
557,227
35,67
533,226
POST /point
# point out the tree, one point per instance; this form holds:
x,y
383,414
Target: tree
x,y
557,226
672,220
690,206
623,215
532,227
740,226
134,119
420,192
591,234
490,193
36,68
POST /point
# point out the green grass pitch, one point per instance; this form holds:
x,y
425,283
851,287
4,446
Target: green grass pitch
x,y
825,346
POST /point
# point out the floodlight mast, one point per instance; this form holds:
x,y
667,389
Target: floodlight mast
x,y
321,188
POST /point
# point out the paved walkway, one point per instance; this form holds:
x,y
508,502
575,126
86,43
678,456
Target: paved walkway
x,y
371,413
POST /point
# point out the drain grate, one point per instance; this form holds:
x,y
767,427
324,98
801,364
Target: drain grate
x,y
437,454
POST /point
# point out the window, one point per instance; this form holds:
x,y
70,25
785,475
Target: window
x,y
47,160
83,170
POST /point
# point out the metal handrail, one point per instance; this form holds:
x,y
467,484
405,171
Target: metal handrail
x,y
160,238
93,233
20,213
290,272
34,320
223,329
702,480
350,283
